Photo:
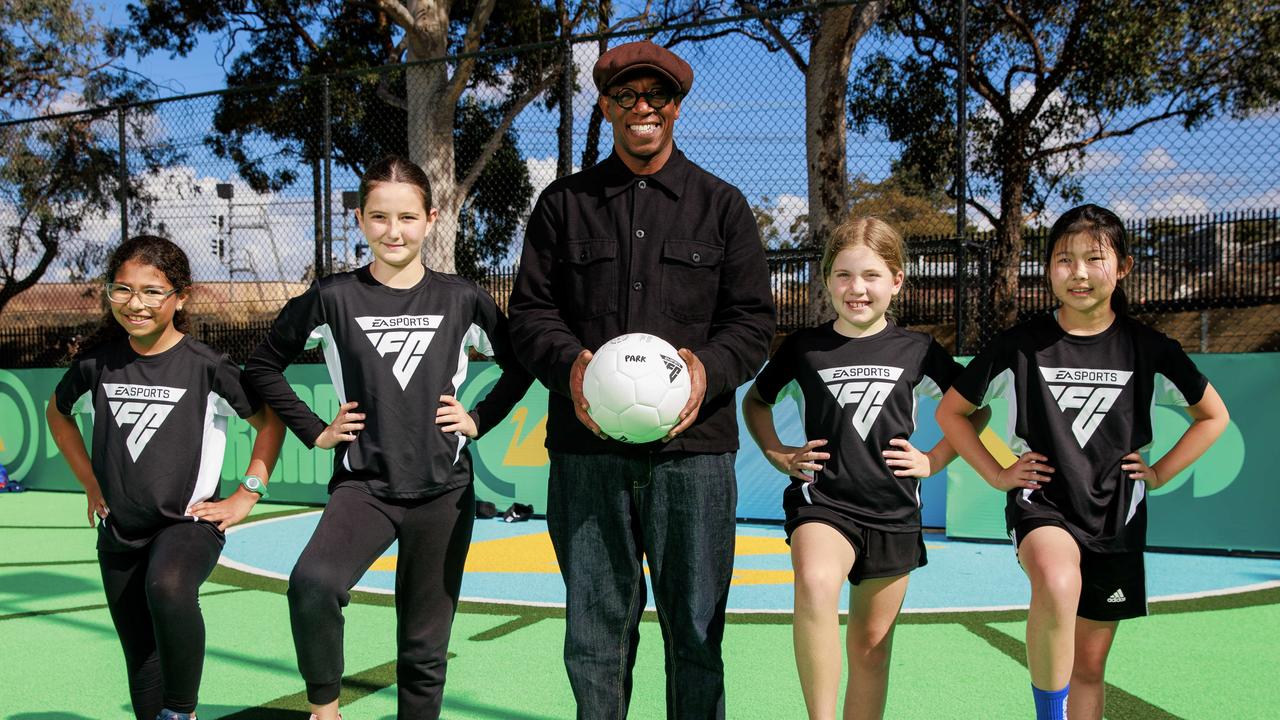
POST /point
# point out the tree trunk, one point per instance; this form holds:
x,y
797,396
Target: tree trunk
x,y
13,285
826,86
1006,252
431,117
591,150
564,133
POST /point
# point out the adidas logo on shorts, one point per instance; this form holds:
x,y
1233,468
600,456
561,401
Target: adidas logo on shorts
x,y
1117,596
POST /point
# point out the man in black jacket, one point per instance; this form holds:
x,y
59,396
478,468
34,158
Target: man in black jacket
x,y
646,241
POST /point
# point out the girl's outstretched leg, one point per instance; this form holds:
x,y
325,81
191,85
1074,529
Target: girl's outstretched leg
x,y
1051,559
822,558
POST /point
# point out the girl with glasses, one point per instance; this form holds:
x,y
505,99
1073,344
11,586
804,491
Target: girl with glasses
x,y
159,402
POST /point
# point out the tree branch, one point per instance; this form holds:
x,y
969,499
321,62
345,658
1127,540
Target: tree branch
x,y
776,33
495,140
1104,134
398,14
299,30
1020,23
470,43
982,210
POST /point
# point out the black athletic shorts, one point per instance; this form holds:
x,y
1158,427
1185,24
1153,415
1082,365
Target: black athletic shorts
x,y
1113,586
879,553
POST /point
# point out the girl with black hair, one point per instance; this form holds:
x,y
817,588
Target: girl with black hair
x,y
1080,383
160,401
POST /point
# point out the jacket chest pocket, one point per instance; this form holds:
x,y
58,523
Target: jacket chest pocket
x,y
590,279
690,279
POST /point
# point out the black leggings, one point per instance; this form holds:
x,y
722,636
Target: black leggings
x,y
353,532
153,597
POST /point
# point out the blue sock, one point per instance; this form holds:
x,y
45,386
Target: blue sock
x,y
1050,704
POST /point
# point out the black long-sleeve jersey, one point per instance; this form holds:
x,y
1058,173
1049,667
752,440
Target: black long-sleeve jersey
x,y
394,351
159,431
1084,402
860,393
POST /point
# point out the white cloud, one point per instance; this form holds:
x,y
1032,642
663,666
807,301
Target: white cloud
x,y
1177,204
1100,160
1267,199
541,172
1157,160
784,209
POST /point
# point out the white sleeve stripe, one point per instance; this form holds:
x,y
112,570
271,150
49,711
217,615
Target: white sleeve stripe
x,y
332,360
212,447
221,405
927,388
83,404
1167,393
1000,386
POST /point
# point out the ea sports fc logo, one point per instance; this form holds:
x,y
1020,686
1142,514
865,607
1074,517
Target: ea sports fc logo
x,y
405,336
866,386
1091,392
142,409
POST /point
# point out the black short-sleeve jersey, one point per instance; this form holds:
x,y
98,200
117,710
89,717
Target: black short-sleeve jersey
x,y
860,393
395,351
159,431
1084,402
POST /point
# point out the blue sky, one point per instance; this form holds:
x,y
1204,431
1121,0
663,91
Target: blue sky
x,y
743,121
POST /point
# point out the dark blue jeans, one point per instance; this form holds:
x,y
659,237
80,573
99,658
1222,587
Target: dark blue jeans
x,y
606,512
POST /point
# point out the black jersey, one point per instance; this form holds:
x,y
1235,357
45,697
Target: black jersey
x,y
860,393
159,430
395,351
1083,401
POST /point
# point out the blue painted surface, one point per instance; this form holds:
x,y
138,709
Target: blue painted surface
x,y
959,574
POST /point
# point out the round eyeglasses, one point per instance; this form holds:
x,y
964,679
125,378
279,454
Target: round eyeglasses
x,y
627,98
123,294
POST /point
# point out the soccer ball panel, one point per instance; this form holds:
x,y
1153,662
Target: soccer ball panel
x,y
641,424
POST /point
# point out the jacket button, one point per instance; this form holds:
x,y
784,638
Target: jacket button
x,y
639,233
582,255
637,285
642,185
696,257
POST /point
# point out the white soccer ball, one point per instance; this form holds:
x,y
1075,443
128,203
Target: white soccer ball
x,y
636,385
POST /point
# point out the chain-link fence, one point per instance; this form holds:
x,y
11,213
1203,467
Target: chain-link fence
x,y
258,186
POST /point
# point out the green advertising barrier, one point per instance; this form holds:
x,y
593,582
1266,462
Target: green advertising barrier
x,y
1227,500
510,462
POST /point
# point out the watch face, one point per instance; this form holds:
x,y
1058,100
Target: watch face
x,y
253,484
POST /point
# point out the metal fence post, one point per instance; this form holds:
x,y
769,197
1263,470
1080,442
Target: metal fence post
x,y
961,185
328,180
317,208
124,174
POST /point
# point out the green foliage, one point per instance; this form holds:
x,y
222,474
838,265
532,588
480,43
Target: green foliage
x,y
273,129
914,212
58,174
1048,79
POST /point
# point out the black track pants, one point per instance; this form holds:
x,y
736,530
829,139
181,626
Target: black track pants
x,y
354,530
152,594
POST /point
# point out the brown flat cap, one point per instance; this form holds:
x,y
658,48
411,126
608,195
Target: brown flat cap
x,y
643,54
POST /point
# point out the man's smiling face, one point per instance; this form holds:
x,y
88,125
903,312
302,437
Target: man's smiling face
x,y
642,134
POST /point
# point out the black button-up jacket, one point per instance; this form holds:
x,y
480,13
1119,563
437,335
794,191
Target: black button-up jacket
x,y
676,254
